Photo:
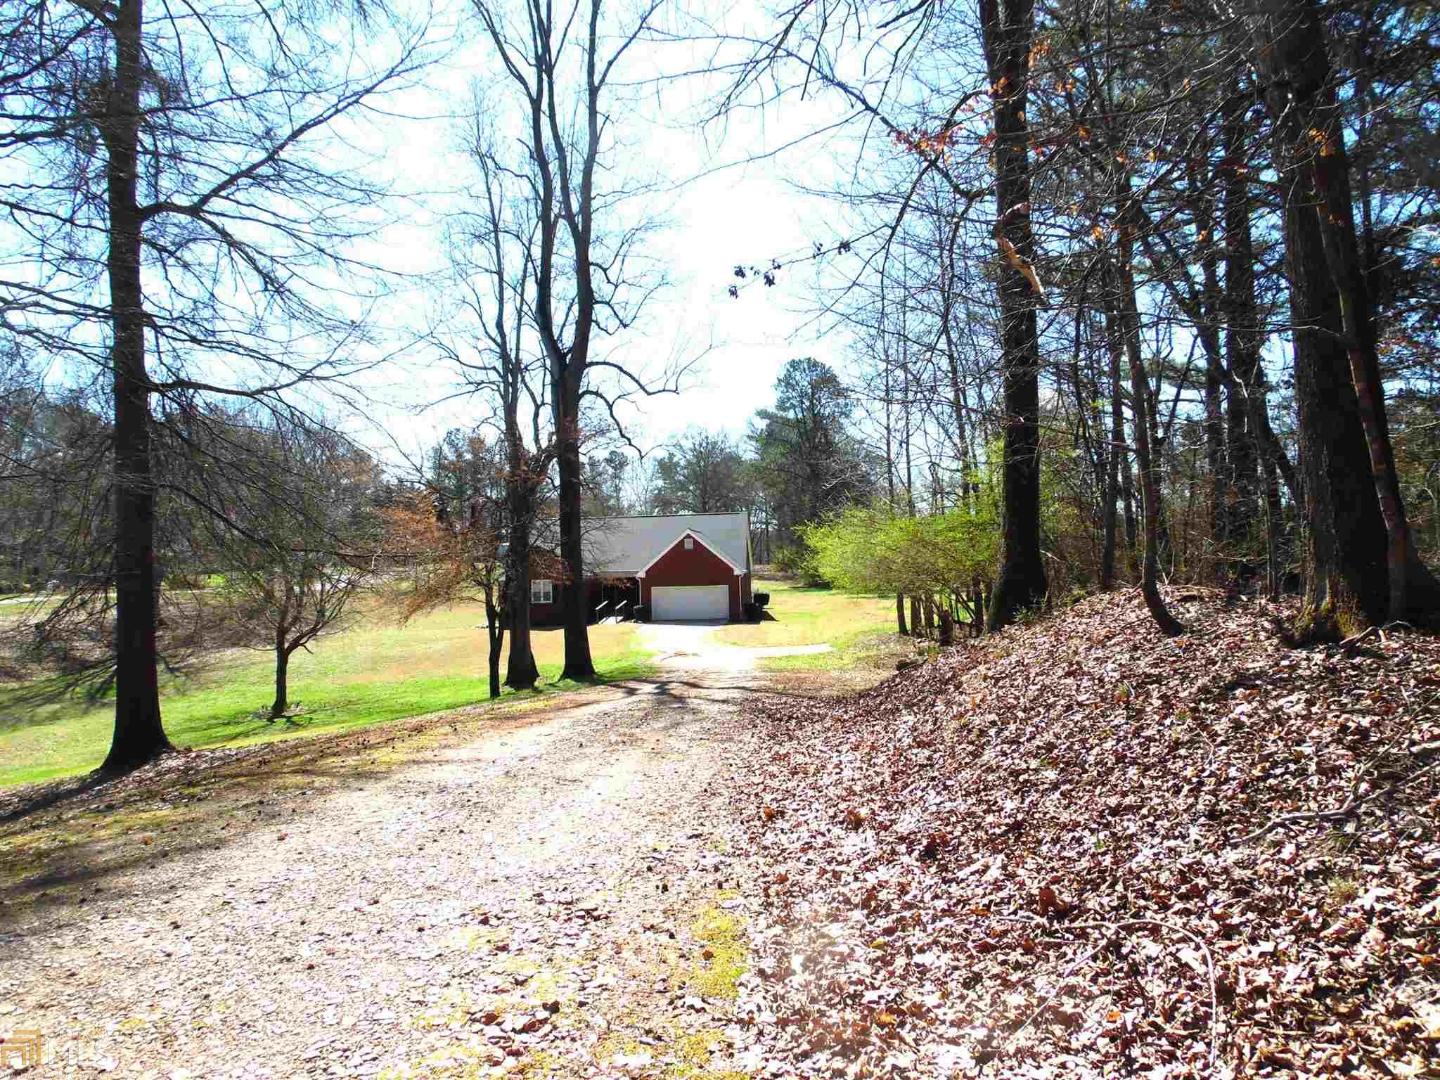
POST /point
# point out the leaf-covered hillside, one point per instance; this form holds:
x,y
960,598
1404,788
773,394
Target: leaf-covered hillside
x,y
1081,849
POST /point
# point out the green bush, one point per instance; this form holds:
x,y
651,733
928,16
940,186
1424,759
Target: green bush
x,y
876,549
799,562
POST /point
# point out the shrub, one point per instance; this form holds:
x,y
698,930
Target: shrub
x,y
799,562
875,549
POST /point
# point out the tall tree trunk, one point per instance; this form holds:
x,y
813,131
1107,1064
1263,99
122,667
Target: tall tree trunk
x,y
495,635
521,672
1217,463
1006,28
138,736
281,705
1140,417
1120,479
1242,331
578,211
1108,523
888,397
1128,515
1164,545
1274,526
1326,266
900,627
905,426
570,206
1209,317
1089,434
1345,534
959,406
578,664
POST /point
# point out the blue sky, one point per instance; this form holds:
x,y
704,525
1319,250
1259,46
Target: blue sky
x,y
718,209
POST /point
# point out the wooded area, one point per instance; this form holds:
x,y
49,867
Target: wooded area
x,y
1151,212
329,330
1134,293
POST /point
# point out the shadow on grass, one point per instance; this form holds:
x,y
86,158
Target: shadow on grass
x,y
84,830
66,839
19,704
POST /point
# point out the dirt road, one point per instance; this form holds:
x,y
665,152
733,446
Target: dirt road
x,y
553,900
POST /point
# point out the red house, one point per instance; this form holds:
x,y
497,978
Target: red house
x,y
682,568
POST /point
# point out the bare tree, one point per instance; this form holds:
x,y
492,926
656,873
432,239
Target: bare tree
x,y
1128,319
179,215
559,64
702,473
296,554
496,259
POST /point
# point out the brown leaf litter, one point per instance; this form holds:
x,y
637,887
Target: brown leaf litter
x,y
1080,849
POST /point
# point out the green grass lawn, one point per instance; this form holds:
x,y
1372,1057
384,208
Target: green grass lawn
x,y
379,670
856,625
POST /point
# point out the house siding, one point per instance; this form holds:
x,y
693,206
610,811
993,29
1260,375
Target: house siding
x,y
698,566
553,614
545,614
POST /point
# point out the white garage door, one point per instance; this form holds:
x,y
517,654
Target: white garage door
x,y
689,603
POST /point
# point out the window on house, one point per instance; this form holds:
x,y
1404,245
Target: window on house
x,y
542,591
689,543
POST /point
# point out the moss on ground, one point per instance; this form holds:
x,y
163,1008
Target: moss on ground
x,y
453,1010
712,957
458,1061
615,1044
693,1053
678,1054
543,1065
724,955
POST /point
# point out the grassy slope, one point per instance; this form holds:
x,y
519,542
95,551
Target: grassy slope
x,y
859,627
375,672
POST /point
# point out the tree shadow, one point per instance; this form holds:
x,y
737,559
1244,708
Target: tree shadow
x,y
68,837
20,705
62,836
34,799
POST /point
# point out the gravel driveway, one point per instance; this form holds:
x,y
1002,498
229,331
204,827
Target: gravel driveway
x,y
526,903
696,647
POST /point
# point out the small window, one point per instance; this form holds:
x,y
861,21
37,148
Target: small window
x,y
542,591
689,543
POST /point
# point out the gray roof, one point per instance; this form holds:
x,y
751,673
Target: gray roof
x,y
628,545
